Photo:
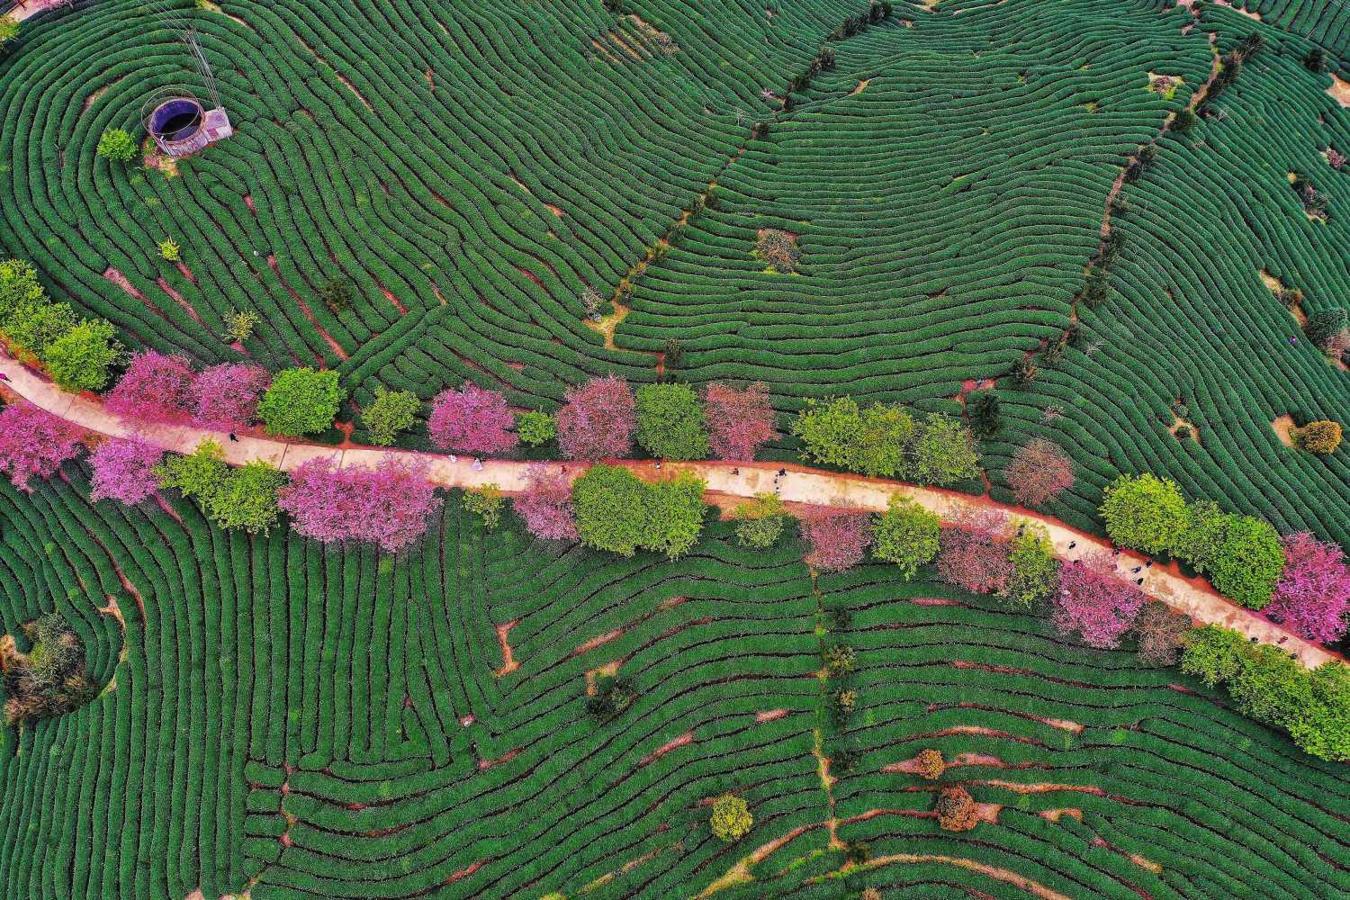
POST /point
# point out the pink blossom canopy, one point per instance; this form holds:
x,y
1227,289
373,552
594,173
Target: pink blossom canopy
x,y
1312,596
389,506
1095,603
156,388
836,540
546,504
471,420
124,470
34,443
225,397
598,419
739,422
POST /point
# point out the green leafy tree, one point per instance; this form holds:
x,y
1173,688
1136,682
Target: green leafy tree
x,y
1249,562
670,422
248,498
945,452
391,413
1213,654
19,285
486,502
239,324
36,325
760,523
117,145
881,450
1035,571
79,360
831,431
731,819
535,428
198,476
300,401
906,534
1322,726
1270,686
1145,512
618,512
675,511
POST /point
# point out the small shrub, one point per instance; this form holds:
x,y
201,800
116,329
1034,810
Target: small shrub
x,y
239,325
300,401
982,409
390,414
778,249
169,250
670,422
486,502
1327,327
907,535
760,522
930,764
1315,60
839,659
535,428
336,294
117,145
1322,436
731,819
51,679
613,694
957,810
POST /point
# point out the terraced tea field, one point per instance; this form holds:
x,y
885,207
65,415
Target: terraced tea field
x,y
476,175
346,726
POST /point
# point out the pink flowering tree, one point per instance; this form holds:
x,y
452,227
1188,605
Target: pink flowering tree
x,y
1039,472
1095,603
389,506
124,470
225,397
836,540
155,388
1312,596
738,421
34,443
975,553
546,504
471,420
598,419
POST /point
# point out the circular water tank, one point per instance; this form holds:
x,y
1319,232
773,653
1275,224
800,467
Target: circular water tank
x,y
175,121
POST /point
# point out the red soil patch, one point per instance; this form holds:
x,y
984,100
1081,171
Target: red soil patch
x,y
1061,724
509,663
935,601
1041,787
1182,689
681,741
1054,815
187,273
980,730
963,759
121,281
770,715
530,275
485,764
389,295
178,298
598,641
285,840
305,310
465,872
248,201
172,513
1284,429
555,210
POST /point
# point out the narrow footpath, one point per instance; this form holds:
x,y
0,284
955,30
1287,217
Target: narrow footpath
x,y
728,482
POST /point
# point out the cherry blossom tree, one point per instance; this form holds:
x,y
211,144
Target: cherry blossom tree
x,y
1039,472
390,506
975,553
1095,603
598,419
124,470
546,504
836,540
155,388
34,443
471,420
1312,597
738,421
225,397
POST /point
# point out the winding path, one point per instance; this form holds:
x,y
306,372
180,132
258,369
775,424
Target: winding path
x,y
727,482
